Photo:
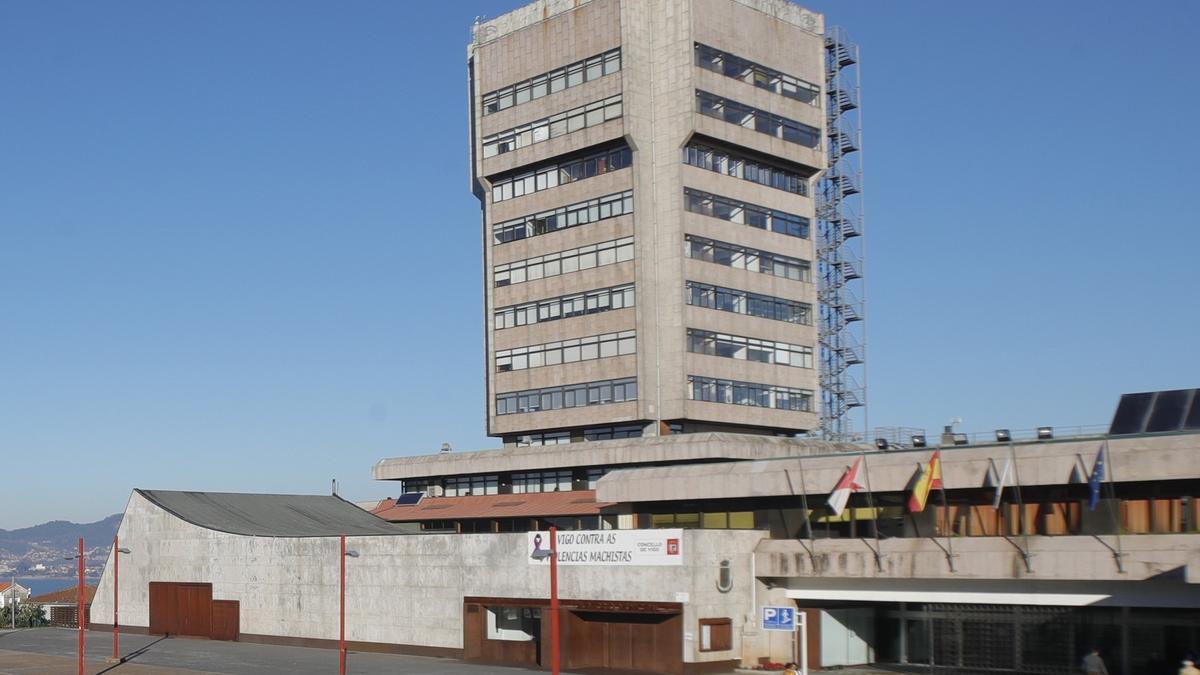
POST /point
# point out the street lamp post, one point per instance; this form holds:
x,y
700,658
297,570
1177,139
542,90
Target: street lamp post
x,y
79,612
342,607
117,552
552,554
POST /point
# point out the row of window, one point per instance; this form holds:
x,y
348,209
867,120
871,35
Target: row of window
x,y
517,483
749,349
572,215
708,204
746,258
567,351
541,481
610,433
750,304
556,80
759,75
592,434
561,173
734,392
461,486
564,262
565,307
759,120
567,396
590,115
729,164
709,520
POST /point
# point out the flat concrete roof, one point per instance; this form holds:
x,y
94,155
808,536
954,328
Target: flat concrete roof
x,y
675,449
266,515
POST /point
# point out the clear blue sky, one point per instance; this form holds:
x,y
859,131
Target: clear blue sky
x,y
238,249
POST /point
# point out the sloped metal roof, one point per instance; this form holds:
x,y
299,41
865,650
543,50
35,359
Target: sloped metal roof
x,y
265,515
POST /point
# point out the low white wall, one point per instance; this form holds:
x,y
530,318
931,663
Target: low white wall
x,y
404,589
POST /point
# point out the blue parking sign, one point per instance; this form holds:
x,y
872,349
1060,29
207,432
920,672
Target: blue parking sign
x,y
779,618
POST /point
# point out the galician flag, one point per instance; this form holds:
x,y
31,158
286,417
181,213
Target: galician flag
x,y
930,479
847,485
1095,480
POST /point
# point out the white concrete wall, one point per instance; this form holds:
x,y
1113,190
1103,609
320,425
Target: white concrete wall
x,y
403,589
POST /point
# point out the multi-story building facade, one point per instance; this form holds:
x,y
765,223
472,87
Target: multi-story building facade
x,y
646,169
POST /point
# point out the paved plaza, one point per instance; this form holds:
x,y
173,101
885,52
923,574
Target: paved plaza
x,y
50,651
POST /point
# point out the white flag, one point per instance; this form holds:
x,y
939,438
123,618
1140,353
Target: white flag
x,y
847,485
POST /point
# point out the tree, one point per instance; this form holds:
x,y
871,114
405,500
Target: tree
x,y
29,615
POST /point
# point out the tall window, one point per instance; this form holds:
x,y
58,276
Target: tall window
x,y
576,119
742,166
561,173
750,304
567,351
552,82
572,215
759,120
541,481
743,213
758,75
746,258
564,307
564,262
462,486
749,349
567,396
734,392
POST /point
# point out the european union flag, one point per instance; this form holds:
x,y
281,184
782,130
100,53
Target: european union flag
x,y
1096,479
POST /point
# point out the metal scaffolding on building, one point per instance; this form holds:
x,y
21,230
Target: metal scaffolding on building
x,y
840,248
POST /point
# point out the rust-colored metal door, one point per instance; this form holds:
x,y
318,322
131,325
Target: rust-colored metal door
x,y
226,619
646,643
183,609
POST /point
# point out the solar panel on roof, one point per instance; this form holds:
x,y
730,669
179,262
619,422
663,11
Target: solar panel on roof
x,y
409,498
1157,412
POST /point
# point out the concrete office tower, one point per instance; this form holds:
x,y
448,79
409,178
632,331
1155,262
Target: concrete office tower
x,y
646,172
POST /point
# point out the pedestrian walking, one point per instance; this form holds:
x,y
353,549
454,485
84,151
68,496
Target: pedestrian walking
x,y
1093,664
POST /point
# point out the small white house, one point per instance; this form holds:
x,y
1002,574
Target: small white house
x,y
11,591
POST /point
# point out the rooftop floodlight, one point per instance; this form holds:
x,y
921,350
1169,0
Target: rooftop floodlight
x,y
960,439
918,441
881,443
1003,436
1045,433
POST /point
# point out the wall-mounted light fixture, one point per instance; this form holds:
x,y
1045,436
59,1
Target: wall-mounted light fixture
x,y
725,576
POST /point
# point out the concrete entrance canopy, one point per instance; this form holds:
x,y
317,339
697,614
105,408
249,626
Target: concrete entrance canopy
x,y
998,592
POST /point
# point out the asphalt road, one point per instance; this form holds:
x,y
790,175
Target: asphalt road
x,y
52,650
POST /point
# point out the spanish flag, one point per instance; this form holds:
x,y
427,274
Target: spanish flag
x,y
930,478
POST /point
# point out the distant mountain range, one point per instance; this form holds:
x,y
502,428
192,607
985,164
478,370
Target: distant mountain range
x,y
59,535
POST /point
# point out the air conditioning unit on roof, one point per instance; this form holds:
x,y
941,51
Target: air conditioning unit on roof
x,y
433,491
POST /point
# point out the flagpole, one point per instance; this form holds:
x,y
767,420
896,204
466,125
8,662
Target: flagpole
x,y
804,505
871,506
946,507
1025,554
1112,494
807,513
